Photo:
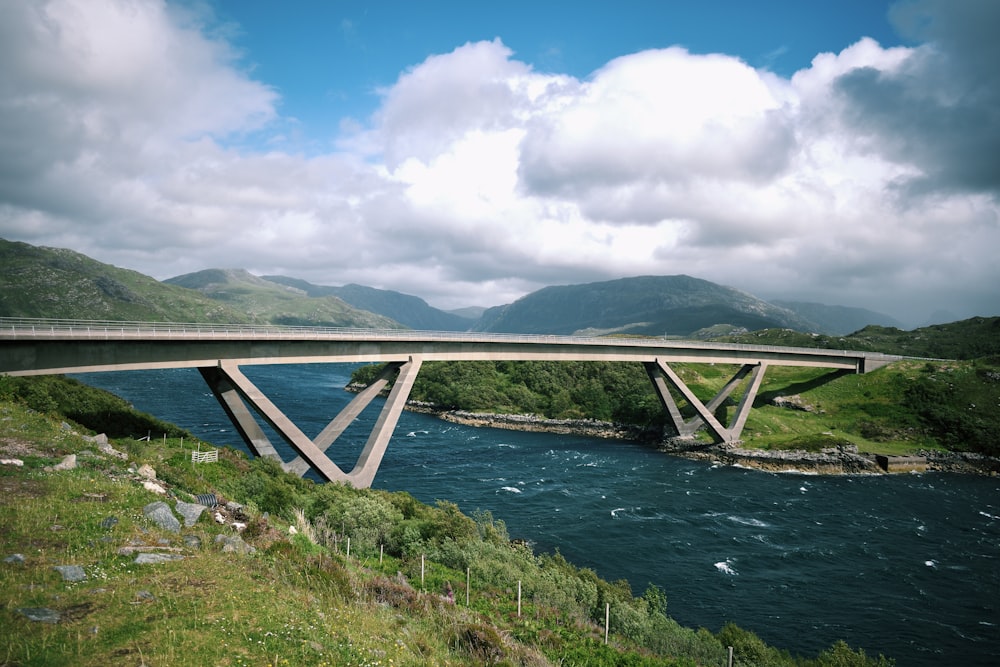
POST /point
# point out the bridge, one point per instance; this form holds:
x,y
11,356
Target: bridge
x,y
46,346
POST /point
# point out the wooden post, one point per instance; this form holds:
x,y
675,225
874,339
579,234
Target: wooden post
x,y
381,550
421,570
348,547
468,581
519,598
607,619
730,663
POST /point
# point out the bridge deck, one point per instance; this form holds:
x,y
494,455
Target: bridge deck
x,y
38,347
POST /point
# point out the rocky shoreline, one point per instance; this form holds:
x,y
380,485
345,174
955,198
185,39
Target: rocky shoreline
x,y
841,460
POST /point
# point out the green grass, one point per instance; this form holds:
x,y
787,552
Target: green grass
x,y
296,600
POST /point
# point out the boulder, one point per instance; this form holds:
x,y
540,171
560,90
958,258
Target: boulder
x,y
160,514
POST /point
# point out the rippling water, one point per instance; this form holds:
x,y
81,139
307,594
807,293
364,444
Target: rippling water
x,y
905,565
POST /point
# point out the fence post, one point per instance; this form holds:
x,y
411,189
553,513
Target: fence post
x,y
421,570
468,582
607,619
519,598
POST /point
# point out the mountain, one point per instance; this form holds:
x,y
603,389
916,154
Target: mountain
x,y
838,320
278,304
54,282
646,305
410,311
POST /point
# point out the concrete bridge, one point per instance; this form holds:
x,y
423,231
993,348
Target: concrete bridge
x,y
41,347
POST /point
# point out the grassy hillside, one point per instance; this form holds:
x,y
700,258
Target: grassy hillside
x,y
294,574
58,283
408,310
645,305
52,282
974,338
276,303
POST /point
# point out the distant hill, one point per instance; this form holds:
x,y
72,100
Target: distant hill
x,y
272,302
54,282
838,320
646,305
974,338
410,311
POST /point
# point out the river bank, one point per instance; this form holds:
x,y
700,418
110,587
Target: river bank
x,y
841,460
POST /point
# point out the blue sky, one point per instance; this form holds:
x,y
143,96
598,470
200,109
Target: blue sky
x,y
845,152
329,60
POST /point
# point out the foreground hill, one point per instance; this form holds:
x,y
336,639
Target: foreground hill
x,y
276,303
54,282
410,311
646,305
110,557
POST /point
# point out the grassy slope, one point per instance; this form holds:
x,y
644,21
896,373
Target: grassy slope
x,y
296,600
50,282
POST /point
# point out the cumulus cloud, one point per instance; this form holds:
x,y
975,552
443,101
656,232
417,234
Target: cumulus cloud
x,y
129,131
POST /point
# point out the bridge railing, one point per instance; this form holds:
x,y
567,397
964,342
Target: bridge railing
x,y
26,328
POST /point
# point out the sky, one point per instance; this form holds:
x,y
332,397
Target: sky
x,y
845,152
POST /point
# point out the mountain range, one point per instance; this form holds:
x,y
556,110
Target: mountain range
x,y
51,282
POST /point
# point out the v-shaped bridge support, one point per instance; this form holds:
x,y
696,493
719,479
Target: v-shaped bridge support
x,y
235,391
662,375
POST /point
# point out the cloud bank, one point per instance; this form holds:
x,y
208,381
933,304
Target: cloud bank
x,y
131,131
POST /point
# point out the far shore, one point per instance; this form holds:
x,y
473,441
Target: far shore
x,y
845,460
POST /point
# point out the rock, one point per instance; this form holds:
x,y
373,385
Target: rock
x,y
147,471
192,541
145,596
71,572
234,544
12,462
68,463
147,558
15,559
190,512
154,487
160,514
40,614
110,522
102,444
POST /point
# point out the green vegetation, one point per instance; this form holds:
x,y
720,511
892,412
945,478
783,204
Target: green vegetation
x,y
275,303
299,598
904,407
58,283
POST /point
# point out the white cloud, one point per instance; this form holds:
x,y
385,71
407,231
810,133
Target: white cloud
x,y
129,132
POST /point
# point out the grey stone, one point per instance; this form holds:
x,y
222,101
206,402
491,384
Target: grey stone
x,y
152,559
40,614
147,471
191,512
234,544
109,522
71,572
68,463
145,596
192,541
16,559
160,514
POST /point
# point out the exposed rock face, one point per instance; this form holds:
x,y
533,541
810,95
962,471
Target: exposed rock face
x,y
71,572
843,460
190,512
160,514
588,427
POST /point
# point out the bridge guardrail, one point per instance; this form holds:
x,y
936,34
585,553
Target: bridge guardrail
x,y
18,327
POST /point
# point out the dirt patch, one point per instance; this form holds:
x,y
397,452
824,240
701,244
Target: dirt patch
x,y
11,487
19,448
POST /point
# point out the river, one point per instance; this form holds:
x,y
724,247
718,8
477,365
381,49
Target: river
x,y
904,565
